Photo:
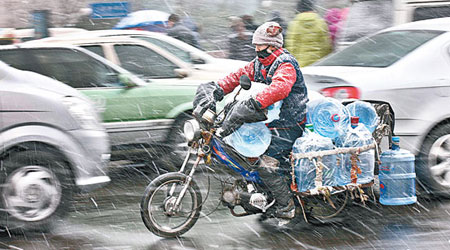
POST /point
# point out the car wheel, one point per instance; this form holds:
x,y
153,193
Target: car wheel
x,y
177,141
37,189
433,163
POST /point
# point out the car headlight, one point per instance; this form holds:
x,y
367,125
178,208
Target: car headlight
x,y
191,130
83,112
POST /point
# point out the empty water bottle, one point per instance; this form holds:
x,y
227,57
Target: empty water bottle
x,y
273,112
366,113
251,139
397,176
357,136
305,169
330,118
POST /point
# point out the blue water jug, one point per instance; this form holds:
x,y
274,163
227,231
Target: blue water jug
x,y
357,136
330,118
310,107
366,113
397,176
251,139
305,170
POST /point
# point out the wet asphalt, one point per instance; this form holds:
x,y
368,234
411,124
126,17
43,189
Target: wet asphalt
x,y
109,218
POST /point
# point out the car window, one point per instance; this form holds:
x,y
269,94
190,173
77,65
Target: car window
x,y
97,49
380,50
75,68
423,13
144,61
182,54
15,58
6,41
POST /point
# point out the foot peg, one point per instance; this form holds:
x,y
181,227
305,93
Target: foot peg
x,y
287,212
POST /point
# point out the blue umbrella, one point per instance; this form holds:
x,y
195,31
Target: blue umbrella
x,y
152,20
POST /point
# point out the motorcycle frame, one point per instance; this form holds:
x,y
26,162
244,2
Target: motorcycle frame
x,y
208,138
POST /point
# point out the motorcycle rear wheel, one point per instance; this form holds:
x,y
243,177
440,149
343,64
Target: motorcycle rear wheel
x,y
320,211
158,210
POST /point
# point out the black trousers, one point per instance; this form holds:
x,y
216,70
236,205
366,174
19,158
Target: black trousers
x,y
281,145
280,148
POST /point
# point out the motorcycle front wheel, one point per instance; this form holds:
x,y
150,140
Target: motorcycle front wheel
x,y
158,206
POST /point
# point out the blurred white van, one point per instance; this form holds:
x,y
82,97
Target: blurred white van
x,y
11,35
415,10
28,34
369,16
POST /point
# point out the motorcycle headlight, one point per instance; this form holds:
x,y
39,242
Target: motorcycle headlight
x,y
191,130
83,112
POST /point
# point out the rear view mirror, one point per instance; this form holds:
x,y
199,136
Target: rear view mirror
x,y
196,60
127,80
245,82
181,73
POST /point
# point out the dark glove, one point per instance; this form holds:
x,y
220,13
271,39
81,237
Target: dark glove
x,y
207,95
244,111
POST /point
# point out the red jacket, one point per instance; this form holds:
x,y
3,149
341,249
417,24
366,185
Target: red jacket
x,y
282,80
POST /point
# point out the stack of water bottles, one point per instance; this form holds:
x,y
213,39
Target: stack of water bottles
x,y
331,122
305,169
356,136
364,120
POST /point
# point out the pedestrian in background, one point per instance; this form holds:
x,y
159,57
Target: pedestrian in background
x,y
179,31
249,24
334,17
192,25
239,42
308,38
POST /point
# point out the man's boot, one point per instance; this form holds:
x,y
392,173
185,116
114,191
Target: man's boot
x,y
268,171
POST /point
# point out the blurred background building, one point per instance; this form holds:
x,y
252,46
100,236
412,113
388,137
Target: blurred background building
x,y
211,16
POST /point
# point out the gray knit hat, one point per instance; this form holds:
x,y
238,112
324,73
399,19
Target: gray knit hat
x,y
268,33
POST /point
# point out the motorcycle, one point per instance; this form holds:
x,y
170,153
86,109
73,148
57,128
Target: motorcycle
x,y
172,202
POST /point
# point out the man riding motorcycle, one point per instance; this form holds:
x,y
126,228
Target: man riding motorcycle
x,y
277,68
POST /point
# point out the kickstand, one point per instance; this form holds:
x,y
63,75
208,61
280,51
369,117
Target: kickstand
x,y
373,195
303,208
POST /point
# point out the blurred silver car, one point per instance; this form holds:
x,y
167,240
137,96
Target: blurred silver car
x,y
409,67
204,65
52,145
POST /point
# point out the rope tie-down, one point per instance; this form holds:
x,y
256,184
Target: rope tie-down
x,y
326,191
